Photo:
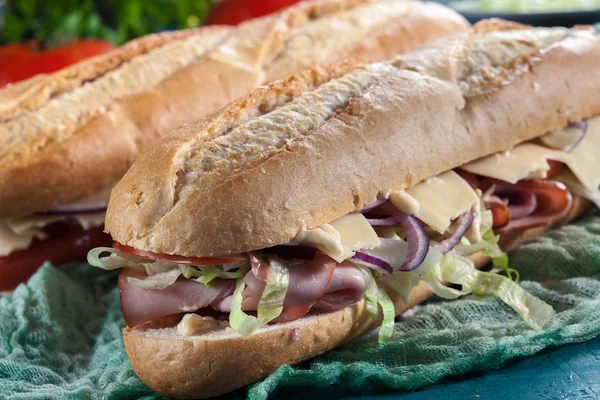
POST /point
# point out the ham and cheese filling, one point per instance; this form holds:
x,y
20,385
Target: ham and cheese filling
x,y
421,233
18,233
65,233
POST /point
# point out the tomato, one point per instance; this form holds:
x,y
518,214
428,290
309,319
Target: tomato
x,y
232,12
24,60
555,168
178,259
67,241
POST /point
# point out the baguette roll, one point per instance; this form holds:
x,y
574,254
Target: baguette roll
x,y
305,151
69,134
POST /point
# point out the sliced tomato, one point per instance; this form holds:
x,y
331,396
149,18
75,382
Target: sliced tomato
x,y
500,211
179,259
24,60
555,168
232,12
67,242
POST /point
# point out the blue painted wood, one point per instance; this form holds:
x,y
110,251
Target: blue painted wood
x,y
569,372
565,373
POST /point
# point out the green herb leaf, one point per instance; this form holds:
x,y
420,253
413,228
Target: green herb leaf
x,y
58,21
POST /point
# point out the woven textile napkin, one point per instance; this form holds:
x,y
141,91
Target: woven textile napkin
x,y
60,335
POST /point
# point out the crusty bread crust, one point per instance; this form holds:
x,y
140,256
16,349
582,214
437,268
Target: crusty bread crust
x,y
99,149
200,366
459,99
30,94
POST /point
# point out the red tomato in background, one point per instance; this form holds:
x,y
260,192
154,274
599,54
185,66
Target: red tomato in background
x,y
23,60
232,12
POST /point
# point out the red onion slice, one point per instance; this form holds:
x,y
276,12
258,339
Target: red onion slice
x,y
521,201
567,138
465,222
389,221
373,206
582,126
417,238
73,209
372,262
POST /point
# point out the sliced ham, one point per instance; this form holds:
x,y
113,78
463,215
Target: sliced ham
x,y
552,202
140,305
308,282
322,283
347,286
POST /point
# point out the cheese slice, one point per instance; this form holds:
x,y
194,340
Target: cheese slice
x,y
438,200
11,241
18,233
584,160
529,160
341,238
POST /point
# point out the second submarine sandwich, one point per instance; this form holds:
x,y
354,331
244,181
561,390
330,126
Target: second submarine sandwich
x,y
67,137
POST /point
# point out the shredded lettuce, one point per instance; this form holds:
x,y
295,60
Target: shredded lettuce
x,y
371,293
461,271
163,274
376,297
207,275
239,321
488,244
270,304
386,330
157,281
402,284
115,259
437,270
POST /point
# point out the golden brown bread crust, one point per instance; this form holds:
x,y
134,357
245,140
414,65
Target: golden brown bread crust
x,y
461,98
108,139
29,94
200,367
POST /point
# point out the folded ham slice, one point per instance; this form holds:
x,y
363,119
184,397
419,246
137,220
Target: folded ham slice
x,y
347,286
321,283
140,305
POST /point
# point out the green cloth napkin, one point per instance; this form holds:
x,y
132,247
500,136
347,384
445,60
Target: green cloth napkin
x,y
60,334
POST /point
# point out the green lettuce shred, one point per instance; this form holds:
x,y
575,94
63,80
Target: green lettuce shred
x,y
270,304
375,297
157,281
115,259
371,293
389,313
488,245
461,271
402,284
207,275
437,270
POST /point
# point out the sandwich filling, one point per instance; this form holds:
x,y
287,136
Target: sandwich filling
x,y
62,234
424,233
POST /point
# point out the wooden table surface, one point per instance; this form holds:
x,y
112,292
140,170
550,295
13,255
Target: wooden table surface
x,y
569,372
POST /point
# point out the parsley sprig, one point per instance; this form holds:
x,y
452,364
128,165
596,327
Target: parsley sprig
x,y
59,21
